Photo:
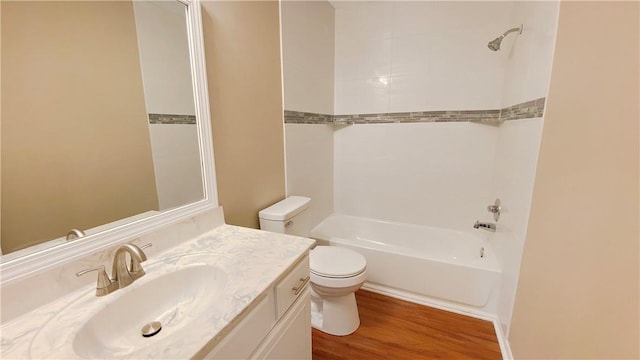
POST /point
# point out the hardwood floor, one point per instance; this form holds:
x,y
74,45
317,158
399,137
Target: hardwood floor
x,y
396,329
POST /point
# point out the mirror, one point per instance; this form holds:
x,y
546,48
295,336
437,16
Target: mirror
x,y
105,122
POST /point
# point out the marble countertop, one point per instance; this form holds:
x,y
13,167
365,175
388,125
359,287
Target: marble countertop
x,y
252,261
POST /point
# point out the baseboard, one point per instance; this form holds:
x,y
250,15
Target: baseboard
x,y
503,342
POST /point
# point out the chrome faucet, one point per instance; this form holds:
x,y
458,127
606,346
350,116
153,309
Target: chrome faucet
x,y
485,226
123,274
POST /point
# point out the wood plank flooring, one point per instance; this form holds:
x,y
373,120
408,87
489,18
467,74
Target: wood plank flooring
x,y
396,329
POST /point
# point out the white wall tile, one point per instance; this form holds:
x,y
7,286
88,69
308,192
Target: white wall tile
x,y
176,162
363,58
167,83
529,55
465,73
435,174
528,70
362,96
309,85
309,157
411,18
308,91
518,144
463,15
411,93
364,19
436,54
308,56
308,34
411,55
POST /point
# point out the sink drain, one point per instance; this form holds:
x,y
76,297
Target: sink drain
x,y
151,328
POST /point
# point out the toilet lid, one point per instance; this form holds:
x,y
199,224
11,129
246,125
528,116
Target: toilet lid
x,y
336,262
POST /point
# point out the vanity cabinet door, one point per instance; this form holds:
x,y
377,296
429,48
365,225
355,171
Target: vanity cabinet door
x,y
247,334
291,338
278,327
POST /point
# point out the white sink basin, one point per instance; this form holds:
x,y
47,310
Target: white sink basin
x,y
176,299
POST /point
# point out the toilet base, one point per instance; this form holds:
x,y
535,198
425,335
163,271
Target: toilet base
x,y
335,315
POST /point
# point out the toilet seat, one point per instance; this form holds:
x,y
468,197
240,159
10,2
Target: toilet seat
x,y
336,262
338,283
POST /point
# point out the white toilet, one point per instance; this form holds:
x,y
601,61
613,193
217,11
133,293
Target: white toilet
x,y
336,273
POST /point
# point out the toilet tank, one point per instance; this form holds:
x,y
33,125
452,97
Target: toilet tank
x,y
289,216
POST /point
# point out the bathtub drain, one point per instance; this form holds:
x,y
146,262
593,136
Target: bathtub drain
x,y
481,252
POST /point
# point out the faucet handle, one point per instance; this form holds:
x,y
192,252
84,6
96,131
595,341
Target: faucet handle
x,y
104,285
495,209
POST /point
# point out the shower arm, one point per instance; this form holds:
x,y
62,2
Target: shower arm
x,y
518,29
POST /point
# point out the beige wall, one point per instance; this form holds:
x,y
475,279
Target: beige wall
x,y
242,47
578,290
75,141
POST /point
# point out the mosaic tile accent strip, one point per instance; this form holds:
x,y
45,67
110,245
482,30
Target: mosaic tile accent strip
x,y
529,109
487,116
298,117
172,119
525,110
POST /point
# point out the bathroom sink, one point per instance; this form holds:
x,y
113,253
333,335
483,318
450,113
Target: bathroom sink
x,y
177,299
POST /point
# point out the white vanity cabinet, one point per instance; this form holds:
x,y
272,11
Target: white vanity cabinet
x,y
278,327
240,303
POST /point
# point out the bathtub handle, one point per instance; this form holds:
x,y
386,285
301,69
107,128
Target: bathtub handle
x,y
495,209
303,282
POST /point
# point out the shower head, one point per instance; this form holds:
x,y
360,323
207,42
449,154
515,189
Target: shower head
x,y
495,43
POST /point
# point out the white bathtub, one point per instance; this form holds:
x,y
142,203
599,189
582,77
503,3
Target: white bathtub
x,y
444,264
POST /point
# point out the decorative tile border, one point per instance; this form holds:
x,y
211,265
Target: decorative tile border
x,y
297,117
420,116
529,109
172,119
525,110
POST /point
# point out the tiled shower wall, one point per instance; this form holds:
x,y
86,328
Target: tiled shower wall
x,y
435,174
427,61
397,56
527,75
169,101
308,64
422,74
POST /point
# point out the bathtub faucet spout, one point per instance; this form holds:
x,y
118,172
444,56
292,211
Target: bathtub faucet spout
x,y
485,226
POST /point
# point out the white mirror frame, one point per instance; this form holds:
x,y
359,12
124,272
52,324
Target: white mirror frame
x,y
18,268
